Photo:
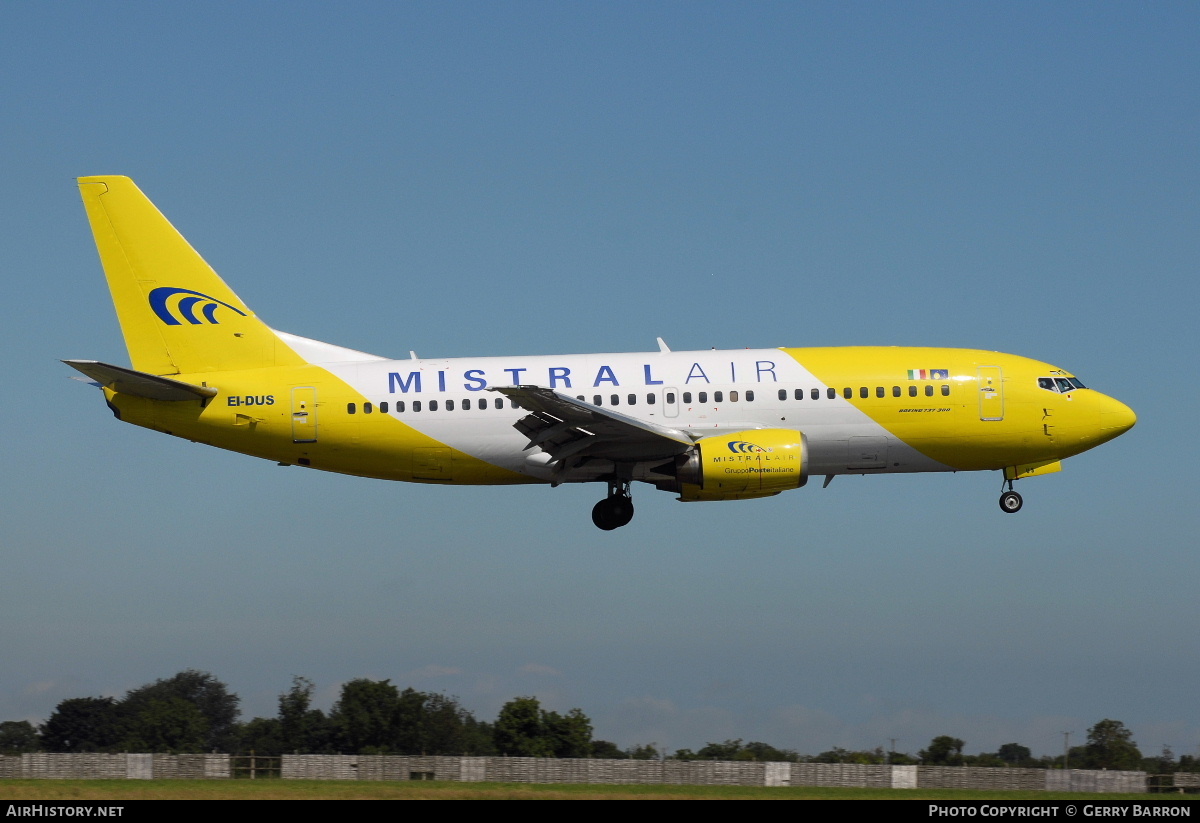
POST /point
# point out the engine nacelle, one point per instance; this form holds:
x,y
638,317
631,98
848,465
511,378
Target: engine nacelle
x,y
743,464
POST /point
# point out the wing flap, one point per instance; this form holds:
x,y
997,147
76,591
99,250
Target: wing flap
x,y
563,427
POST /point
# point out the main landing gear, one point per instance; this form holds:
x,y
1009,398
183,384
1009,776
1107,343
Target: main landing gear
x,y
616,510
1010,501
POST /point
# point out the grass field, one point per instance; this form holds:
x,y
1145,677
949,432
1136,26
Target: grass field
x,y
67,790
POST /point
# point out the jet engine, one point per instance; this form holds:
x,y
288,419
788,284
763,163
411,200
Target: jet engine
x,y
741,465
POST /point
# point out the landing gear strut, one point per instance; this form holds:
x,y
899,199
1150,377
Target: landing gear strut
x,y
1010,501
616,510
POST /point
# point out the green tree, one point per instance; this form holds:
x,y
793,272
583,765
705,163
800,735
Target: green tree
x,y
607,750
365,717
171,724
18,737
840,755
570,734
524,729
209,696
430,723
1014,754
83,724
520,730
943,751
262,735
1110,746
302,729
644,751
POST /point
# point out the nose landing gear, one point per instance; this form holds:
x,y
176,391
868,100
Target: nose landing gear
x,y
1010,501
616,510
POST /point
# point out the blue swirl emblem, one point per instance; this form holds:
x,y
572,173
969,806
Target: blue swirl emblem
x,y
745,447
186,307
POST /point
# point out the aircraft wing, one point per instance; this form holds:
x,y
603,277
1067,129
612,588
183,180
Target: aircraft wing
x,y
565,427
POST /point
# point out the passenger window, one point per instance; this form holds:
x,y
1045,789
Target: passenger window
x,y
831,393
651,399
416,405
670,397
848,393
783,394
499,404
880,391
816,394
912,391
467,404
351,408
580,397
449,405
895,391
749,395
400,406
702,396
632,399
945,391
433,405
512,403
368,408
718,397
733,397
929,391
616,399
597,400
383,407
864,392
687,397
798,394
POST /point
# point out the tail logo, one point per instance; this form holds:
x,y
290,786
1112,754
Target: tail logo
x,y
186,306
745,447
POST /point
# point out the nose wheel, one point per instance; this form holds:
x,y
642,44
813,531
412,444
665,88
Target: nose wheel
x,y
616,510
1010,501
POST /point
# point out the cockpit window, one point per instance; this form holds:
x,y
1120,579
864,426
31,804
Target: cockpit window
x,y
1060,384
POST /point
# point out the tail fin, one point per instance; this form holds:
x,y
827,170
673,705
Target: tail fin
x,y
176,313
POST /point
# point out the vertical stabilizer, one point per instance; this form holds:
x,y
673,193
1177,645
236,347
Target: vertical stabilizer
x,y
176,313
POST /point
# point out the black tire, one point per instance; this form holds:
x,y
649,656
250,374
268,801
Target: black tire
x,y
603,516
1010,502
612,513
622,509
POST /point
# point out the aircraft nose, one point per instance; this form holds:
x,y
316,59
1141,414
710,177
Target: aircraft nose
x,y
1115,417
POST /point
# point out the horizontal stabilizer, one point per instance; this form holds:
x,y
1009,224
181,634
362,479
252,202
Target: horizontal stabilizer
x,y
140,384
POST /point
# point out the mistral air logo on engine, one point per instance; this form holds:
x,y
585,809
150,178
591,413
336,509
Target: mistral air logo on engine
x,y
175,313
745,447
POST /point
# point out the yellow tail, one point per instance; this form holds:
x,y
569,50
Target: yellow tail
x,y
176,313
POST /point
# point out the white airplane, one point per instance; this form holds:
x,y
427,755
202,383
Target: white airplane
x,y
704,425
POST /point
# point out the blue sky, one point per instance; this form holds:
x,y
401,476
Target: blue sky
x,y
539,178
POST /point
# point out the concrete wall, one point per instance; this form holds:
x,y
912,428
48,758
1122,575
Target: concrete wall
x,y
702,772
115,766
548,770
